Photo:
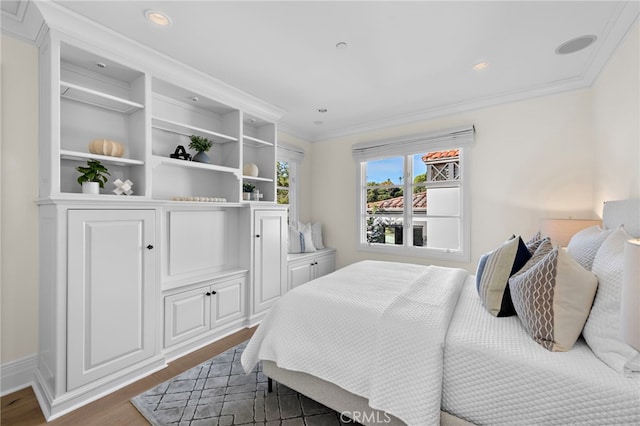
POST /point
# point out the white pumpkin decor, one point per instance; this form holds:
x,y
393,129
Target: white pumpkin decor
x,y
106,147
250,169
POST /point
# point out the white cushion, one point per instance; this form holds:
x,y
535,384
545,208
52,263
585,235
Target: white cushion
x,y
300,240
584,245
603,331
316,235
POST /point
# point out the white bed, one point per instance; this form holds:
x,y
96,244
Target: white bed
x,y
388,336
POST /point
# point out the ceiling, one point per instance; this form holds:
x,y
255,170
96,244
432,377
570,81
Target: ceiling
x,y
404,61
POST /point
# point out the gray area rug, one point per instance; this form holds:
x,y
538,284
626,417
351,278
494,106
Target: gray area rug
x,y
218,392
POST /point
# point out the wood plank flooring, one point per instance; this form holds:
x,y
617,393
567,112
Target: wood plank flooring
x,y
21,407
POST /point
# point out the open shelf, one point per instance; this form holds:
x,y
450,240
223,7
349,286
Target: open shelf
x,y
257,178
255,142
96,98
194,165
187,130
82,156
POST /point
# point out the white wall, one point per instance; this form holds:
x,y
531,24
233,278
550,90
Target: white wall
x,y
19,189
531,159
616,104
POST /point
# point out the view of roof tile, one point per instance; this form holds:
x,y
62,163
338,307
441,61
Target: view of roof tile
x,y
419,201
438,155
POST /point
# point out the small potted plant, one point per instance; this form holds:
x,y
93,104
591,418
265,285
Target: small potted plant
x,y
93,177
247,189
201,145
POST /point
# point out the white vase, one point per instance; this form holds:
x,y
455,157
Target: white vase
x,y
250,169
91,188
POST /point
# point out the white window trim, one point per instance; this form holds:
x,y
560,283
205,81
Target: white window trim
x,y
460,137
294,156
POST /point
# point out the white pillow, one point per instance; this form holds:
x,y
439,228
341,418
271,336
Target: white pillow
x,y
316,235
584,245
602,330
300,240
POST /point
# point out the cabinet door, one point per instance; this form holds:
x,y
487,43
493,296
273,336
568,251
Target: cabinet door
x,y
228,302
324,265
300,273
186,315
270,251
111,294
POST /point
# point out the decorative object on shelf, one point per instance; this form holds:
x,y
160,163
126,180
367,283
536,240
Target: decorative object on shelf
x,y
106,147
93,177
201,199
123,187
256,195
247,189
250,169
180,153
202,145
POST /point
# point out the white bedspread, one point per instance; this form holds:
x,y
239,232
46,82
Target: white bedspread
x,y
376,329
494,373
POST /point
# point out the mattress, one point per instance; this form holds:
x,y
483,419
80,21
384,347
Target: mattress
x,y
494,373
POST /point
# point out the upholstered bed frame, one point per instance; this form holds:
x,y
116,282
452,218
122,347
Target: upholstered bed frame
x,y
615,213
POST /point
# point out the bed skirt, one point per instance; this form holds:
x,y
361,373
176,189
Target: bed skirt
x,y
340,400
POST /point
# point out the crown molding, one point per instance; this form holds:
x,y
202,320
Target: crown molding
x,y
25,23
615,34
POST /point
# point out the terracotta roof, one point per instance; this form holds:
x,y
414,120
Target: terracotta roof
x,y
419,201
438,155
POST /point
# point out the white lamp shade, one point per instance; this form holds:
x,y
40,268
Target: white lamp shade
x,y
561,230
630,304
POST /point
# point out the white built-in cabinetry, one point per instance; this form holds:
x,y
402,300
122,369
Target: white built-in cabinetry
x,y
304,267
111,270
269,248
130,282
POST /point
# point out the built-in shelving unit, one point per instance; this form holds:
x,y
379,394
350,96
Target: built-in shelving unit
x,y
99,99
193,114
258,147
182,249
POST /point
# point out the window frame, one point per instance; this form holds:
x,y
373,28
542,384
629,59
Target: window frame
x,y
293,156
406,148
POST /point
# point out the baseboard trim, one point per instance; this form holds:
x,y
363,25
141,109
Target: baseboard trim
x,y
17,374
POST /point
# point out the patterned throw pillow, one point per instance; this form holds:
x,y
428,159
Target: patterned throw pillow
x,y
492,276
534,242
543,247
553,299
603,330
584,245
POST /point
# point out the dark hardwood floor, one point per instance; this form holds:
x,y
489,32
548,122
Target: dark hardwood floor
x,y
21,407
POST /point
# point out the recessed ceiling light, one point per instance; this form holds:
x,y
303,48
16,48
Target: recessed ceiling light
x,y
101,65
576,44
157,18
341,45
252,120
322,110
483,65
195,98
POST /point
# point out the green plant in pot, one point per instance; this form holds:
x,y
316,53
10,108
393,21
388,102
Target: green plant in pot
x,y
201,145
247,189
92,177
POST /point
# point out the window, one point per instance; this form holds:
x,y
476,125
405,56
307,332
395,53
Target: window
x,y
411,195
289,158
